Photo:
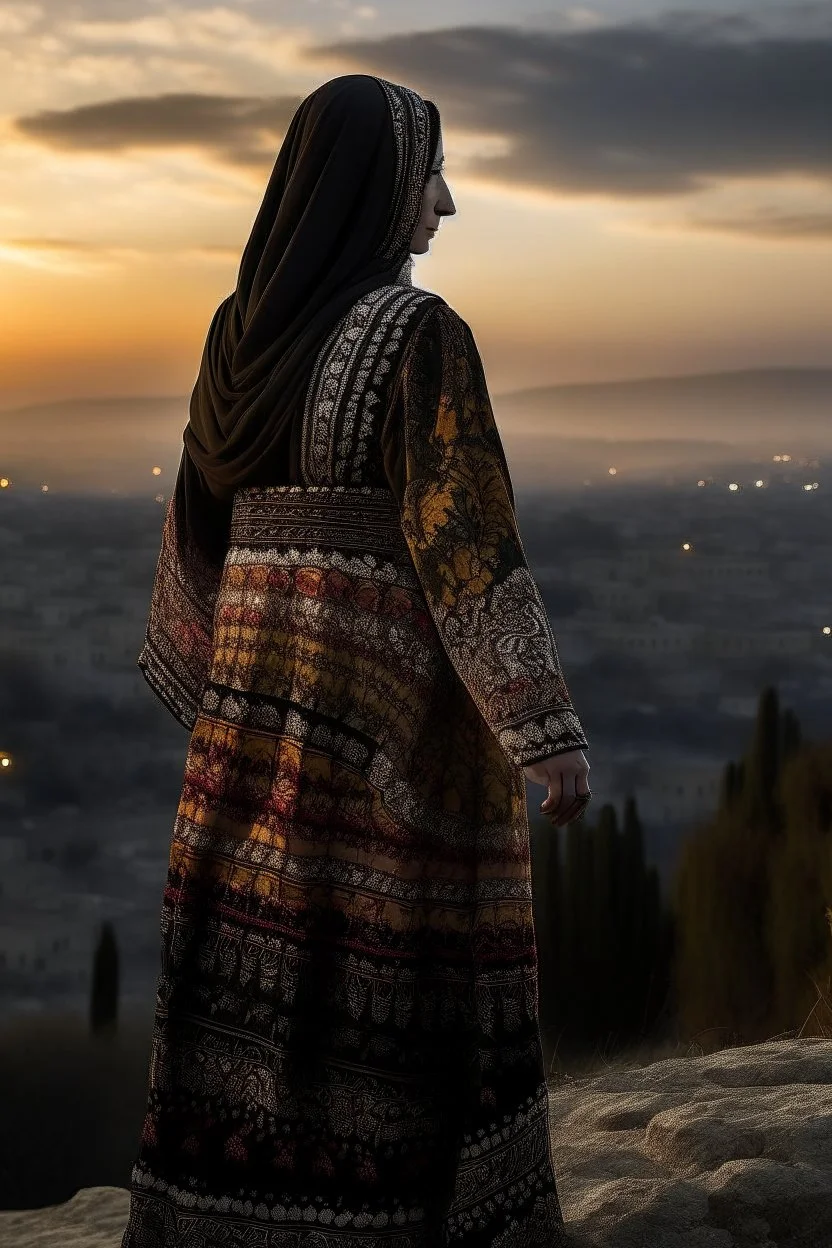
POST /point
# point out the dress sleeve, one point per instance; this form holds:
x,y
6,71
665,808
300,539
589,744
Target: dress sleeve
x,y
445,463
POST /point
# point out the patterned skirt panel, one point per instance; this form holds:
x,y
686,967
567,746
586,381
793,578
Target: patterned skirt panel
x,y
346,1048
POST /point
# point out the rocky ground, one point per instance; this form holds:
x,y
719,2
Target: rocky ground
x,y
728,1150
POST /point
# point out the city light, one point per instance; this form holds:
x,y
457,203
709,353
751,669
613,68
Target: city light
x,y
4,483
612,471
157,472
700,482
759,484
44,489
5,760
827,629
686,546
733,486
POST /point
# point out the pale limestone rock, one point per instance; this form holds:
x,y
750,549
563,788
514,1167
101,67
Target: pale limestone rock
x,y
730,1150
95,1217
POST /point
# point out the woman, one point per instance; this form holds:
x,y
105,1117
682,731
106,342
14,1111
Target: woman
x,y
346,1047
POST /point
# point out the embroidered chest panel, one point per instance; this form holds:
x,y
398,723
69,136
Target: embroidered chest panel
x,y
345,403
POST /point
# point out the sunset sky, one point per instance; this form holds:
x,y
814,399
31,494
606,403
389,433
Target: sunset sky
x,y
642,189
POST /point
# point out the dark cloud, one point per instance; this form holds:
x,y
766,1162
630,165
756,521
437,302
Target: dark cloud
x,y
664,106
779,19
238,130
638,109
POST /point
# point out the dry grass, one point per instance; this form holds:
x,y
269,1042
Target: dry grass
x,y
818,1024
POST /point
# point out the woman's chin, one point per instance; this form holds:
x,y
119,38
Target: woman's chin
x,y
419,246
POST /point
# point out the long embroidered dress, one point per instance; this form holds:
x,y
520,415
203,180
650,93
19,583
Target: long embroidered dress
x,y
346,1049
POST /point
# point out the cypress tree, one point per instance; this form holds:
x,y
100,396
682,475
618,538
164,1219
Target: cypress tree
x,y
612,946
554,889
763,765
651,984
574,965
800,890
104,994
791,736
729,787
705,965
633,937
606,1000
543,842
752,886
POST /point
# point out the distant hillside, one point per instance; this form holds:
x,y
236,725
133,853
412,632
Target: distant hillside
x,y
553,433
745,406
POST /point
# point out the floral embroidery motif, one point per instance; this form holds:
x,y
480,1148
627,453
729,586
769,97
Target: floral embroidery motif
x,y
459,521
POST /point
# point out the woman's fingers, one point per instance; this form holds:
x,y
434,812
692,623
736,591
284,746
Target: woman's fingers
x,y
561,796
567,801
568,787
555,796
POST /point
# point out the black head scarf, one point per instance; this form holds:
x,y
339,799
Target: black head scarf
x,y
341,206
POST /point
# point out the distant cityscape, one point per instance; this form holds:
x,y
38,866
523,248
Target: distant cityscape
x,y
672,605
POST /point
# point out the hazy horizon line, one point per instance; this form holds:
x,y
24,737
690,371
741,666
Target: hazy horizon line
x,y
497,394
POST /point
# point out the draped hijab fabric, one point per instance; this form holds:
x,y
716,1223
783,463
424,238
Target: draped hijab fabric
x,y
337,217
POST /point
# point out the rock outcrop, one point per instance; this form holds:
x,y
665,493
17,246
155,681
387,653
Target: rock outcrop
x,y
729,1150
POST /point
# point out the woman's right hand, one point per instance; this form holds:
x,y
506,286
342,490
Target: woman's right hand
x,y
565,775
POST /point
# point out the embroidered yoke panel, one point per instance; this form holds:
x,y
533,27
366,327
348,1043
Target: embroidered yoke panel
x,y
345,404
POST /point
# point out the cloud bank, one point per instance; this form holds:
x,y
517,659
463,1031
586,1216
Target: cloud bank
x,y
652,108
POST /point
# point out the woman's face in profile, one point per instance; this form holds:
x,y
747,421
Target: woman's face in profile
x,y
437,202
